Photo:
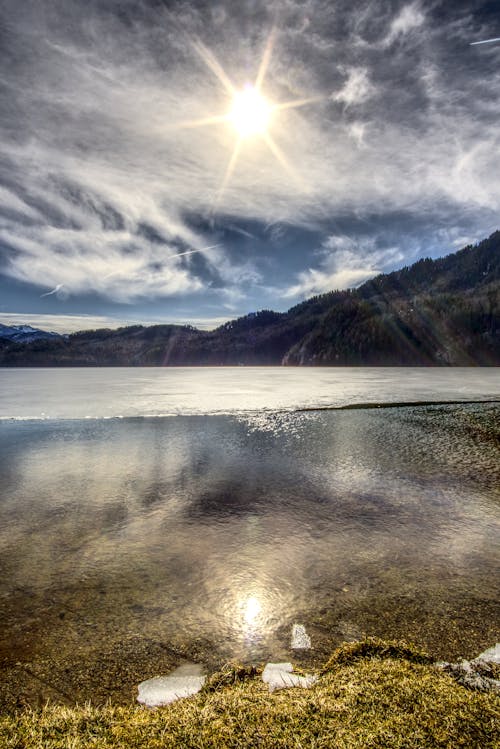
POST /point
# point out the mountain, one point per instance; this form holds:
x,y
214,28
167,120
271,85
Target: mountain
x,y
443,312
435,312
24,333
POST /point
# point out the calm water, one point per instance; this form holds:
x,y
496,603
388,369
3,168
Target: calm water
x,y
129,545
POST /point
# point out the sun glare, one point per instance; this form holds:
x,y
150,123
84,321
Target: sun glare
x,y
250,113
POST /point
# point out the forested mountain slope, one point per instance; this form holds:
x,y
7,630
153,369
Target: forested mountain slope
x,y
435,312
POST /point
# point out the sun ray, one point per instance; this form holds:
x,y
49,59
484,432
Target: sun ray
x,y
214,65
297,103
189,124
264,63
280,156
227,174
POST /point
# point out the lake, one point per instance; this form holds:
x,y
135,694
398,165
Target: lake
x,y
153,516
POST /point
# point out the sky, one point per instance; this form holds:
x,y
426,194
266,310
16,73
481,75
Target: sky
x,y
128,195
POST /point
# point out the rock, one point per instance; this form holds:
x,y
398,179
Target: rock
x,y
280,676
300,638
161,690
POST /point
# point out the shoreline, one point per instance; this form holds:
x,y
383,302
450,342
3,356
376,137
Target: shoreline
x,y
369,693
256,413
89,671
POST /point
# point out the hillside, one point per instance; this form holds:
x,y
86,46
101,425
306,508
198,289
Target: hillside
x,y
443,312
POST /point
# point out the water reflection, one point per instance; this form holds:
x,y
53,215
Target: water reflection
x,y
230,529
252,610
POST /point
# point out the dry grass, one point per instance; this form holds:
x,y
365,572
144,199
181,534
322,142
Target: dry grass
x,y
371,695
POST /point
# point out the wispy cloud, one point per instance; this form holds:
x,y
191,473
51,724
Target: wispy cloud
x,y
409,18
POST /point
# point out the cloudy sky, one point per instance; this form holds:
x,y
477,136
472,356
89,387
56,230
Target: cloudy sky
x,y
118,204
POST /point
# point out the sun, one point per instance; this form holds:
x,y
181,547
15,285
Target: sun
x,y
250,113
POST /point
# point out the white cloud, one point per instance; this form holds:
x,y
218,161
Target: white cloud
x,y
345,263
116,264
357,88
313,281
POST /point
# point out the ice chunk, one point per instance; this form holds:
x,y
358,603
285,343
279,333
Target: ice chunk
x,y
280,676
161,690
300,638
476,674
492,655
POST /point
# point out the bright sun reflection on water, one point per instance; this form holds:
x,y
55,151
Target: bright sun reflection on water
x,y
252,609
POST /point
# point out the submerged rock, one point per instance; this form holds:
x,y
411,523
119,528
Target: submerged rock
x,y
300,638
280,676
161,690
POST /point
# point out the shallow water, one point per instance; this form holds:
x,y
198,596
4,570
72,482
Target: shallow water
x,y
128,546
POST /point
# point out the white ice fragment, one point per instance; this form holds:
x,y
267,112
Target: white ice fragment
x,y
473,673
279,676
492,655
161,690
300,638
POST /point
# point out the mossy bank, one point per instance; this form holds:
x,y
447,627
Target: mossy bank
x,y
384,696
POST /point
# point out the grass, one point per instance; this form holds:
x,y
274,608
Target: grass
x,y
370,695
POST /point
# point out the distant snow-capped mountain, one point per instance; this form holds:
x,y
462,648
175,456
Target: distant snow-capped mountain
x,y
24,333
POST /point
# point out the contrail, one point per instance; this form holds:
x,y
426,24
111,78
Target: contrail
x,y
191,252
486,41
167,257
54,291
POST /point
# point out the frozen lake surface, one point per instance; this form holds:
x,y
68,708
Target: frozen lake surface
x,y
121,392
